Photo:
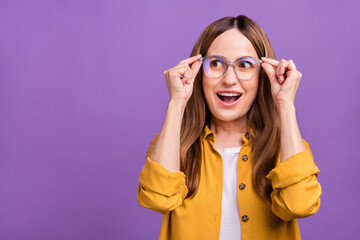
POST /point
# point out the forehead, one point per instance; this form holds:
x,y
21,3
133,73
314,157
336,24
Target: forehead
x,y
232,44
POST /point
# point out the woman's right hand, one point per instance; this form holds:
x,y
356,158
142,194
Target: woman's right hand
x,y
182,88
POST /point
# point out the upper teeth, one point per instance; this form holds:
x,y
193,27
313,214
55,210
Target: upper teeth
x,y
229,94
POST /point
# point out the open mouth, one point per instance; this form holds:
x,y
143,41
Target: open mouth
x,y
229,97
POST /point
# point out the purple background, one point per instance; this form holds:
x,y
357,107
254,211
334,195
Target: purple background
x,y
82,94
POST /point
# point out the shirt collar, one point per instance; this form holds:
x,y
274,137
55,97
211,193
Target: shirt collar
x,y
208,134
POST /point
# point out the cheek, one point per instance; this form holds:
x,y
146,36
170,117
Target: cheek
x,y
207,88
250,87
251,90
253,86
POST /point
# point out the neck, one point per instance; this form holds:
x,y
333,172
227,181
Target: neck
x,y
228,134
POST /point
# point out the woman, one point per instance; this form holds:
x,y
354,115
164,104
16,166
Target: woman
x,y
229,161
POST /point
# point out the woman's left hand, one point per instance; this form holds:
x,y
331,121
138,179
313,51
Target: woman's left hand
x,y
284,79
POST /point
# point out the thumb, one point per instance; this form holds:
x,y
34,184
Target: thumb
x,y
195,69
270,72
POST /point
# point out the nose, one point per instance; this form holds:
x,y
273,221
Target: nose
x,y
230,77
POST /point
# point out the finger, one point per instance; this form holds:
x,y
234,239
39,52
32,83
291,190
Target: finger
x,y
195,67
282,70
298,82
181,66
292,66
278,69
195,70
191,59
183,73
271,61
186,75
282,67
281,78
270,71
289,69
190,76
180,69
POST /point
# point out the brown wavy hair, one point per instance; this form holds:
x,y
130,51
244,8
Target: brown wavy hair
x,y
262,117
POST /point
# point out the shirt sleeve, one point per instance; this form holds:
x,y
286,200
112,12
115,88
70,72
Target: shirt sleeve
x,y
296,191
159,189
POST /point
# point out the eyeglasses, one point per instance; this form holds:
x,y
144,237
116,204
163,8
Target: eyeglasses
x,y
245,67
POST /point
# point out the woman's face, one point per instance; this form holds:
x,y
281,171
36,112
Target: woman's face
x,y
231,44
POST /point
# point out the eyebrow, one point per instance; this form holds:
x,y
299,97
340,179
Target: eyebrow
x,y
216,55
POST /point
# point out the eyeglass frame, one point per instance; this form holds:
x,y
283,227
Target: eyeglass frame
x,y
258,61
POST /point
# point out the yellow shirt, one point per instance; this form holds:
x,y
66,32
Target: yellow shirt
x,y
296,194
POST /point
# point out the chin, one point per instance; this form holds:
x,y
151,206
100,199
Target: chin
x,y
228,117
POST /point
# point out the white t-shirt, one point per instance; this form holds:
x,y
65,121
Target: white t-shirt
x,y
230,219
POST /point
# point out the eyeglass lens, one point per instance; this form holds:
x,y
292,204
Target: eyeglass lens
x,y
245,67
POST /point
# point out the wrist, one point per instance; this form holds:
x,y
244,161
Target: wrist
x,y
177,104
285,110
285,105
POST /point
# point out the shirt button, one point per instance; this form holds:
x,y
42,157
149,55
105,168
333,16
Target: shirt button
x,y
245,218
247,135
244,157
242,186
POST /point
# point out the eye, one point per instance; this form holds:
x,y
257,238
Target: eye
x,y
217,63
245,64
